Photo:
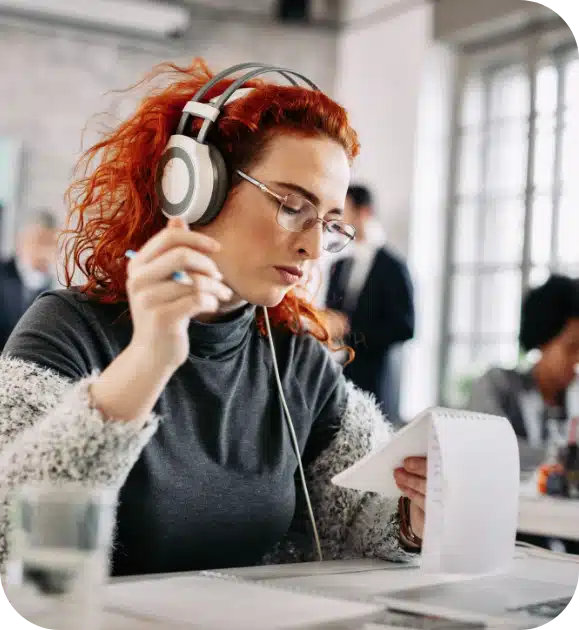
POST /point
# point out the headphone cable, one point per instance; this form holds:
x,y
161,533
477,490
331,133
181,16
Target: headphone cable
x,y
293,437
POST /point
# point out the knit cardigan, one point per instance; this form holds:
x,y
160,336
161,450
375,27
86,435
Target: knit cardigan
x,y
49,431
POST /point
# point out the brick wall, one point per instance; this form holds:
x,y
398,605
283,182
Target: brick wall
x,y
53,82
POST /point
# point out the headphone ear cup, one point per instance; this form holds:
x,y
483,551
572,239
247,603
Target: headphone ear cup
x,y
185,179
220,186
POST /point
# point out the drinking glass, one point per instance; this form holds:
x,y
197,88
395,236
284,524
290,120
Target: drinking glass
x,y
59,547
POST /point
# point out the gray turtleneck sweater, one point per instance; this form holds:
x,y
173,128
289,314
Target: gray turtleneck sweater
x,y
210,481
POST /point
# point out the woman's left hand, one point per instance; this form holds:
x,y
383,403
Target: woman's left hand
x,y
411,479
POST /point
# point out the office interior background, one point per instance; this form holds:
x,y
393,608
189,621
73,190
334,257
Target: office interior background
x,y
468,115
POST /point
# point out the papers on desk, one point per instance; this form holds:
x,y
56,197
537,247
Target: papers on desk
x,y
472,487
221,603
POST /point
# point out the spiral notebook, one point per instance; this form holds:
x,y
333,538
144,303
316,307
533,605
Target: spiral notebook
x,y
221,603
472,491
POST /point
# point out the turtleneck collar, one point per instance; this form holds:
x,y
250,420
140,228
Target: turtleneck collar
x,y
218,340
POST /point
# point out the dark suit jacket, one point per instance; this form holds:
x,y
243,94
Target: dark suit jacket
x,y
382,318
14,299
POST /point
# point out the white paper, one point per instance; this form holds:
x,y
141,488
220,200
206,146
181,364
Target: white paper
x,y
480,473
472,487
375,471
198,601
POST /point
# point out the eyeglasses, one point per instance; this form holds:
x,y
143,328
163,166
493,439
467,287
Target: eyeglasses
x,y
297,214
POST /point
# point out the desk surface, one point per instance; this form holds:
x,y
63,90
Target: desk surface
x,y
359,579
366,579
144,606
549,516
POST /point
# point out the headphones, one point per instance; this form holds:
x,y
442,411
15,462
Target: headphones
x,y
192,180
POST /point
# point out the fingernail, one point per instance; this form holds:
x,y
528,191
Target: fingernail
x,y
410,465
177,222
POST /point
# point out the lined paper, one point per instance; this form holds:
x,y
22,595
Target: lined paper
x,y
472,487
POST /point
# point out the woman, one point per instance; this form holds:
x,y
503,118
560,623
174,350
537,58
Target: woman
x,y
166,390
538,402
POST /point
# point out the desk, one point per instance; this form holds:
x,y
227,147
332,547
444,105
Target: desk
x,y
349,579
549,516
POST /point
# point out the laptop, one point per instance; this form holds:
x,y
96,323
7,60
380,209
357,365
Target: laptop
x,y
472,603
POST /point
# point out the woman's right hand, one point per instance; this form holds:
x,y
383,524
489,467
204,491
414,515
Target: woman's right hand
x,y
161,308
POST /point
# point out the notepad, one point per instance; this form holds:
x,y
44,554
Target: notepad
x,y
472,487
222,603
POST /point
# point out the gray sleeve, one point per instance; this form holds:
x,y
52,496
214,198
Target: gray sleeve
x,y
56,334
352,523
50,431
487,397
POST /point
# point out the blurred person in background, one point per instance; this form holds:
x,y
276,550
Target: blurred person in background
x,y
539,401
371,306
30,272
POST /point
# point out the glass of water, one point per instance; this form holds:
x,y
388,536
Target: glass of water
x,y
60,539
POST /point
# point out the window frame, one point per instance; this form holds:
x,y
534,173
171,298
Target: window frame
x,y
530,50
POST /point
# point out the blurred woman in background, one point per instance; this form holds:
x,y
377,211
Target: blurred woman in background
x,y
539,401
167,390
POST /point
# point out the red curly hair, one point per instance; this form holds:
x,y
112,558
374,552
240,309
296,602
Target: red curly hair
x,y
113,204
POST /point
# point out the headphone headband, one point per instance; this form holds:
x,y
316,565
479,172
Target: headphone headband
x,y
240,66
222,100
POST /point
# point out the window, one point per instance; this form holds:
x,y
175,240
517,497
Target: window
x,y
515,207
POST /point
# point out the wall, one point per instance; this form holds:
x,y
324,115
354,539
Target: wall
x,y
381,56
428,227
53,82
